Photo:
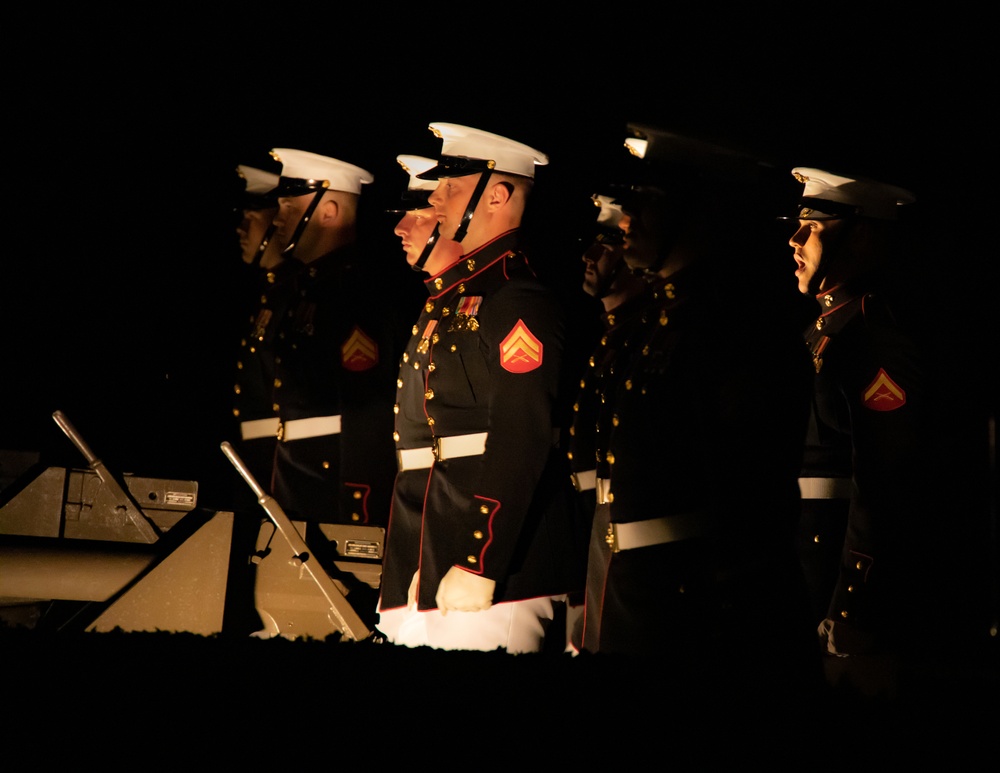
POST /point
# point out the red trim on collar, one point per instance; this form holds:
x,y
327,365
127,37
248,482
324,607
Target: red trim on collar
x,y
469,256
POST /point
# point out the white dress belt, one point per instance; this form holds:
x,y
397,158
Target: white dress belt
x,y
450,447
296,429
584,480
656,531
825,488
258,428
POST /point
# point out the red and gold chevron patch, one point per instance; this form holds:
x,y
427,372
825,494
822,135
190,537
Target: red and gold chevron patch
x,y
520,351
359,351
884,394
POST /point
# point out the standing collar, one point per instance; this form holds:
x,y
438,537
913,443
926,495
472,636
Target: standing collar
x,y
472,264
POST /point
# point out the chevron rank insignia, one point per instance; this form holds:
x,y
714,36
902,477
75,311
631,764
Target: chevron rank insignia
x,y
359,351
520,351
884,394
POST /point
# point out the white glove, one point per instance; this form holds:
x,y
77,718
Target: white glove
x,y
463,591
411,594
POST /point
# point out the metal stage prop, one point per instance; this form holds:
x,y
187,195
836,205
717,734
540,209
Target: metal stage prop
x,y
89,550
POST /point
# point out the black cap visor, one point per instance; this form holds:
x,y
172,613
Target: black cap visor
x,y
457,166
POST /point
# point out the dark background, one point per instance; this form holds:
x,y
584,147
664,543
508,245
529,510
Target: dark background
x,y
122,131
123,134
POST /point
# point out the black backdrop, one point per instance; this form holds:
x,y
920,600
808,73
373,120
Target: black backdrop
x,y
123,135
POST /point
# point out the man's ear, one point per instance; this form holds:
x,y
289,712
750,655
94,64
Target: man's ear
x,y
328,212
500,194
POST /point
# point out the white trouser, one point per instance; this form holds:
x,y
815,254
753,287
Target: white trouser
x,y
514,626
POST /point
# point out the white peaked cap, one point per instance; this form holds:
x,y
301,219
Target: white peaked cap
x,y
506,154
339,175
258,181
415,165
611,212
868,198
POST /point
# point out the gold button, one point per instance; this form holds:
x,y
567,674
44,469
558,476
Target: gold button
x,y
406,356
461,287
628,383
843,613
445,311
356,495
415,330
326,465
850,589
816,538
611,497
399,383
614,420
576,407
430,367
395,408
395,436
477,534
277,382
591,361
416,365
611,458
428,307
470,264
471,559
355,517
239,366
438,284
430,421
236,411
484,509
857,565
236,388
828,299
435,338
429,394
275,407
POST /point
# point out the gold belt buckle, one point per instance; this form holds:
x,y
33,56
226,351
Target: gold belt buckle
x,y
436,450
281,430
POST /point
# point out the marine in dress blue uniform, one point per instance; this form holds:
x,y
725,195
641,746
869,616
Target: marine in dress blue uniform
x,y
268,276
909,552
334,353
692,551
483,489
620,292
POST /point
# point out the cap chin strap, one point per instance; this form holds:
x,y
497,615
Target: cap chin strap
x,y
262,247
303,222
428,249
477,194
